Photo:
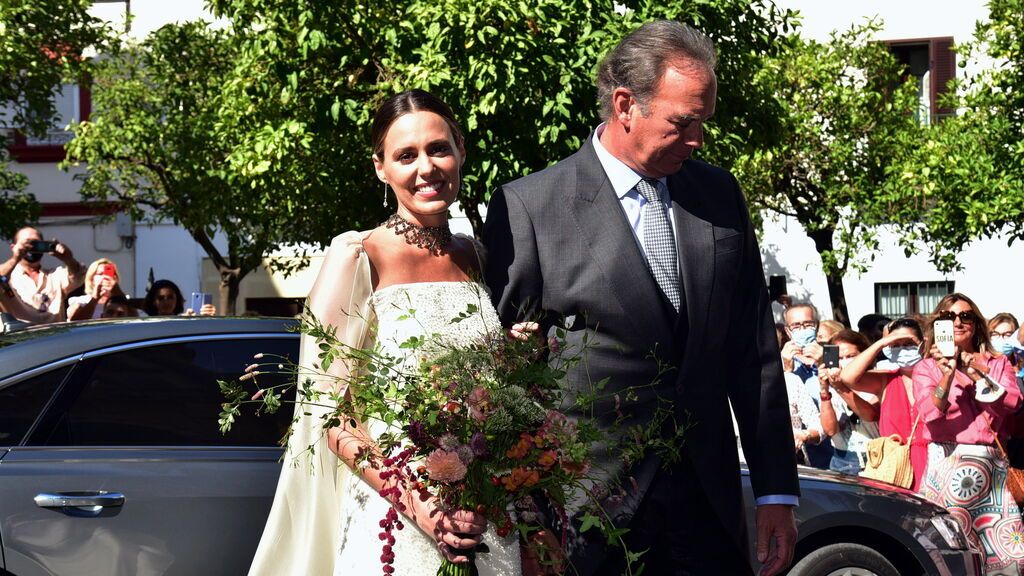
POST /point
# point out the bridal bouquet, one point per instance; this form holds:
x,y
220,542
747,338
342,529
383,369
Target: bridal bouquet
x,y
480,427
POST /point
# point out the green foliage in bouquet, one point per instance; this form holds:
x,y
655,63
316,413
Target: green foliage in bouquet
x,y
479,427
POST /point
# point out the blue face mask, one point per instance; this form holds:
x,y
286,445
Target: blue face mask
x,y
902,356
1004,346
805,337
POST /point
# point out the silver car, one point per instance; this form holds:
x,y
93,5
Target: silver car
x,y
111,461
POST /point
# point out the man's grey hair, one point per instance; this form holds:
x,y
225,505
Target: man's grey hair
x,y
639,61
796,305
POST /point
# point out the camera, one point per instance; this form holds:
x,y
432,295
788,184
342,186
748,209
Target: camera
x,y
42,246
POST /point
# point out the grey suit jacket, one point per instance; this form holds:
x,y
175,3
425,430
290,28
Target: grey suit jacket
x,y
559,246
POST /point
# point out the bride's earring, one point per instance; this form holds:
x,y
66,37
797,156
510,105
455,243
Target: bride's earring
x,y
385,194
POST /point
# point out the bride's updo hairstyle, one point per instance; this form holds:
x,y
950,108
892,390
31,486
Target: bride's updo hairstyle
x,y
405,103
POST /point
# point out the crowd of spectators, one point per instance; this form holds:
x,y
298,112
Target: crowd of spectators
x,y
37,295
956,403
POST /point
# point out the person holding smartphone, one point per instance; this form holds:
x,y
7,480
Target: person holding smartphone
x,y
849,417
30,292
101,284
962,422
902,348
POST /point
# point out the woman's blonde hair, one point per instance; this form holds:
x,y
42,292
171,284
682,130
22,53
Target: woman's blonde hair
x,y
1003,317
93,268
833,326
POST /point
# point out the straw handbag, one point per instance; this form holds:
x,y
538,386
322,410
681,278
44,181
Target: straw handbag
x,y
1014,476
888,459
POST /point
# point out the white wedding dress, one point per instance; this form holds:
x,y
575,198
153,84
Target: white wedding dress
x,y
403,311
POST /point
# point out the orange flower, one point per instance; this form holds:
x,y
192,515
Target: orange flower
x,y
548,459
520,477
519,451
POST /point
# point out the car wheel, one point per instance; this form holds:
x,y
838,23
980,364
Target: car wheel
x,y
844,560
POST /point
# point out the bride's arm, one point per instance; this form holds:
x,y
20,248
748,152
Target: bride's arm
x,y
350,443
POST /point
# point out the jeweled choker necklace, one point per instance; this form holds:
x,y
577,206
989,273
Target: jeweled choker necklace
x,y
433,238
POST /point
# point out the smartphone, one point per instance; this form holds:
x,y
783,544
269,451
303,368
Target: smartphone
x,y
42,246
830,355
108,270
199,299
776,287
944,337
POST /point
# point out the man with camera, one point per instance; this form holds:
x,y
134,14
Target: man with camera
x,y
31,293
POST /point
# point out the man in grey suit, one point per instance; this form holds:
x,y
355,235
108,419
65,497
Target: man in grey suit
x,y
636,248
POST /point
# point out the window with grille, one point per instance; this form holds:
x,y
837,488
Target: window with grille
x,y
894,299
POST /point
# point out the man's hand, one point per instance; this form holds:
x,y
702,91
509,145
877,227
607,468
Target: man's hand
x,y
790,349
62,252
775,522
811,354
19,250
542,555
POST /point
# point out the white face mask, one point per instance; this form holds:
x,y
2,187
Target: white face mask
x,y
902,356
1005,346
804,336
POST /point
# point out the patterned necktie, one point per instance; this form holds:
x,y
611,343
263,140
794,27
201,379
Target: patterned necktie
x,y
659,242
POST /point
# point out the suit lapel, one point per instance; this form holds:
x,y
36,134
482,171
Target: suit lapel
x,y
613,245
695,244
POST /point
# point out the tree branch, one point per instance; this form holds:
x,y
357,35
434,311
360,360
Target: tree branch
x,y
201,237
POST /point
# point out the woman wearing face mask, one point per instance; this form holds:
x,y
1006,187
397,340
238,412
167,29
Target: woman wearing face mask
x,y
849,417
896,412
1003,330
966,469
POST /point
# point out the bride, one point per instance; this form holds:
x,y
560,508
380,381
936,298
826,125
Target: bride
x,y
326,512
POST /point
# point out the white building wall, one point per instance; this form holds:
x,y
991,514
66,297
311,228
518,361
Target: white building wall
x,y
172,254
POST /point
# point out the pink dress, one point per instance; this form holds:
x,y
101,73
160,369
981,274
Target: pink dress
x,y
896,416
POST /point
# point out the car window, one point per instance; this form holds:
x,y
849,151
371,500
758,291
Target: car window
x,y
21,402
165,395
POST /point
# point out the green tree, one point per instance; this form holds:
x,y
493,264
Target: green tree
x,y
844,113
155,144
519,75
964,179
41,47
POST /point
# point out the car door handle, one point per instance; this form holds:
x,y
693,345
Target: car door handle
x,y
88,502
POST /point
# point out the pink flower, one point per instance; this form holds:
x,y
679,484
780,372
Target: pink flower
x,y
444,466
479,401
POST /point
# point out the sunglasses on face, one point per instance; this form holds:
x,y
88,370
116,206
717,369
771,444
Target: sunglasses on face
x,y
965,317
